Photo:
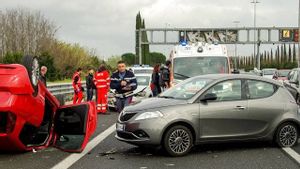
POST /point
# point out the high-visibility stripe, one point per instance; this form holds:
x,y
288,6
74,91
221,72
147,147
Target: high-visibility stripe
x,y
101,80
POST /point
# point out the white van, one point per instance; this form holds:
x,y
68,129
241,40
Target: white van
x,y
198,59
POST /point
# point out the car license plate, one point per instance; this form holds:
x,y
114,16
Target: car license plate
x,y
120,127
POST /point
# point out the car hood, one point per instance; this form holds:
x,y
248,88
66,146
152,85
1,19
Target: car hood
x,y
152,103
139,89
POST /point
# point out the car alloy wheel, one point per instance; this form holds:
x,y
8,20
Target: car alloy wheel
x,y
287,135
178,141
35,71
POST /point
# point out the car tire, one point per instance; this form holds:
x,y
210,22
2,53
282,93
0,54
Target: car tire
x,y
178,141
287,135
32,65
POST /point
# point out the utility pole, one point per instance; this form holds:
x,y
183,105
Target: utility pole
x,y
235,47
254,2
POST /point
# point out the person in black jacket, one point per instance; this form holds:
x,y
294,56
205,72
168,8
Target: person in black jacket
x,y
155,87
43,75
90,86
124,82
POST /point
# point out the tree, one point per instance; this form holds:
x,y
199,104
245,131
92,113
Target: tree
x,y
25,32
145,50
112,62
129,58
138,25
45,59
156,58
11,58
294,54
290,54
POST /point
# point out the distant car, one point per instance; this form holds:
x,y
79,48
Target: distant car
x,y
292,83
282,74
268,72
212,108
32,118
143,90
141,69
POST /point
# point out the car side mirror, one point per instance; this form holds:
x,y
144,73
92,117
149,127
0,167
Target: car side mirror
x,y
294,82
209,96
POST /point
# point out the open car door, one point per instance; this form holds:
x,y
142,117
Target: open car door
x,y
74,124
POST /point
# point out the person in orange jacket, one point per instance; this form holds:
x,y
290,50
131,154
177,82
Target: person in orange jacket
x,y
102,83
78,89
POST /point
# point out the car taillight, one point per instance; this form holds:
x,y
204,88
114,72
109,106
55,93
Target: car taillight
x,y
7,122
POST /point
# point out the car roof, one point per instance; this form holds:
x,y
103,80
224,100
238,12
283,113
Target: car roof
x,y
142,74
238,76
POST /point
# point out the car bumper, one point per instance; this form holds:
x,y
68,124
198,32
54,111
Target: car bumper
x,y
142,132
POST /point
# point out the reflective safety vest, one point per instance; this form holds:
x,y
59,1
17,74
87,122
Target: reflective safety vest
x,y
76,81
102,80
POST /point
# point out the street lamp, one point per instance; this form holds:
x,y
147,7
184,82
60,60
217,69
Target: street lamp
x,y
235,46
254,2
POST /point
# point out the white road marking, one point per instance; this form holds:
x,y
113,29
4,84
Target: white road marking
x,y
71,159
292,153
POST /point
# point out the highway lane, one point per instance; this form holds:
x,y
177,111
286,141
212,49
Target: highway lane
x,y
113,154
50,156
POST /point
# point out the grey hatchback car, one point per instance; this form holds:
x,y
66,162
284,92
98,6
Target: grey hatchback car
x,y
212,108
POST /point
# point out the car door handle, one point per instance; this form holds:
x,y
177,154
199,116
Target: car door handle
x,y
240,108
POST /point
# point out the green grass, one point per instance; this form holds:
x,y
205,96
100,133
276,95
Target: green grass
x,y
61,81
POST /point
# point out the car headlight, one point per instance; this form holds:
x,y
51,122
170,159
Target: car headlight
x,y
149,115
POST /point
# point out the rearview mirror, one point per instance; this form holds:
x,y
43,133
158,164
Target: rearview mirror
x,y
209,96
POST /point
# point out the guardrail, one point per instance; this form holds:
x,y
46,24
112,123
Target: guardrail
x,y
62,88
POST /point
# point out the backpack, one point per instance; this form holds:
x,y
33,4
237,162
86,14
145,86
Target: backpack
x,y
164,76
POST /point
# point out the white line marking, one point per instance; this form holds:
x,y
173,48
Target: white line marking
x,y
292,153
71,159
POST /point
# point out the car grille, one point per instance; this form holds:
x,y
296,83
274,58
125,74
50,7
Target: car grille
x,y
127,116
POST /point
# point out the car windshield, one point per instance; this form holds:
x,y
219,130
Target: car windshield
x,y
283,73
185,67
186,89
143,80
269,72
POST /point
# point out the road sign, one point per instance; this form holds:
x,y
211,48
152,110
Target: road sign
x,y
288,35
209,36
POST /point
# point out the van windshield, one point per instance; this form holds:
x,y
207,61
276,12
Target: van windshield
x,y
184,67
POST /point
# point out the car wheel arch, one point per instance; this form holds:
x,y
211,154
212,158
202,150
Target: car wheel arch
x,y
297,124
176,123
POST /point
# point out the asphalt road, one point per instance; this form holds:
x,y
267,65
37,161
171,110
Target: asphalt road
x,y
112,154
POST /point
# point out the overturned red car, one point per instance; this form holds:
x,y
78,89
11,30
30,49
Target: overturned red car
x,y
32,118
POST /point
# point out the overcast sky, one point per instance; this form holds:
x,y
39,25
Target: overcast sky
x,y
109,25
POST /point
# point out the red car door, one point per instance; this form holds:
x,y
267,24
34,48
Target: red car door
x,y
74,125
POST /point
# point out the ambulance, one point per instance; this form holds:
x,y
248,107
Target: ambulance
x,y
199,58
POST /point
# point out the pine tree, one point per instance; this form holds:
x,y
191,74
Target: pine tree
x,y
277,56
290,54
294,54
271,58
138,25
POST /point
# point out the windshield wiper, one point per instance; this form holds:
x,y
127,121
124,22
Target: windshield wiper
x,y
167,97
181,75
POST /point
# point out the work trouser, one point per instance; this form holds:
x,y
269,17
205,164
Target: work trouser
x,y
102,100
77,97
89,94
122,102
